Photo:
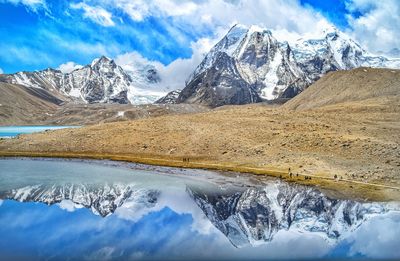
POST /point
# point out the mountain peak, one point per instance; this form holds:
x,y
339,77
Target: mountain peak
x,y
238,27
258,29
330,29
241,29
273,69
102,60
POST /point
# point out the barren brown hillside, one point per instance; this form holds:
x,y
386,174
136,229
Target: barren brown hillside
x,y
21,105
355,139
347,86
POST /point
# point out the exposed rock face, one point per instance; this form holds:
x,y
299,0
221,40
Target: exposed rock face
x,y
231,88
254,216
249,65
102,81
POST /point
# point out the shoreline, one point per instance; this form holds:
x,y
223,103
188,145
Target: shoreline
x,y
339,188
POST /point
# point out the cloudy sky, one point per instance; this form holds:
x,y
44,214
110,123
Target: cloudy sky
x,y
174,34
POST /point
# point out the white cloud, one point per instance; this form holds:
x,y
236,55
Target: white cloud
x,y
104,253
131,61
273,14
95,13
32,5
174,74
380,19
378,28
138,10
24,2
1,71
176,8
68,67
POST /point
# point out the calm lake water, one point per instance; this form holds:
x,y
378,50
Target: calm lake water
x,y
91,210
12,131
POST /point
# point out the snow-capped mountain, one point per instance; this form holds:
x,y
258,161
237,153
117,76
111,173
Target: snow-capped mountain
x,y
102,81
254,216
335,51
101,199
249,65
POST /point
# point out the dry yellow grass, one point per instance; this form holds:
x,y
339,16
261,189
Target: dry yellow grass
x,y
356,140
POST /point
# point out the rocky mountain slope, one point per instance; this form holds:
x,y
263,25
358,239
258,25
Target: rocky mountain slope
x,y
254,216
102,81
249,65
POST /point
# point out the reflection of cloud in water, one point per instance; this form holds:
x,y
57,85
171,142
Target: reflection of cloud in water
x,y
379,237
68,205
165,233
1,202
175,199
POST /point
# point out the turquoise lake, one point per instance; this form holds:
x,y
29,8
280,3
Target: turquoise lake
x,y
12,131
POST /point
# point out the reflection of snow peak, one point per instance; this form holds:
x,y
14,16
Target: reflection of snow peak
x,y
129,201
102,200
254,217
247,217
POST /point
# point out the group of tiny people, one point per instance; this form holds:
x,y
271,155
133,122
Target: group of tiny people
x,y
291,174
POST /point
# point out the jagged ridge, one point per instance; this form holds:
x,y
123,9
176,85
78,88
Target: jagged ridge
x,y
251,60
102,81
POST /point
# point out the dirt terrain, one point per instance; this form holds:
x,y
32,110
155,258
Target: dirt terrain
x,y
88,114
348,138
345,86
20,105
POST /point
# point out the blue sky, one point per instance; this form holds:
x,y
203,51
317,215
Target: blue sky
x,y
36,34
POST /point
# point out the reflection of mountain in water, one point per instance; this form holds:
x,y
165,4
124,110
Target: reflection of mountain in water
x,y
245,216
254,216
102,200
